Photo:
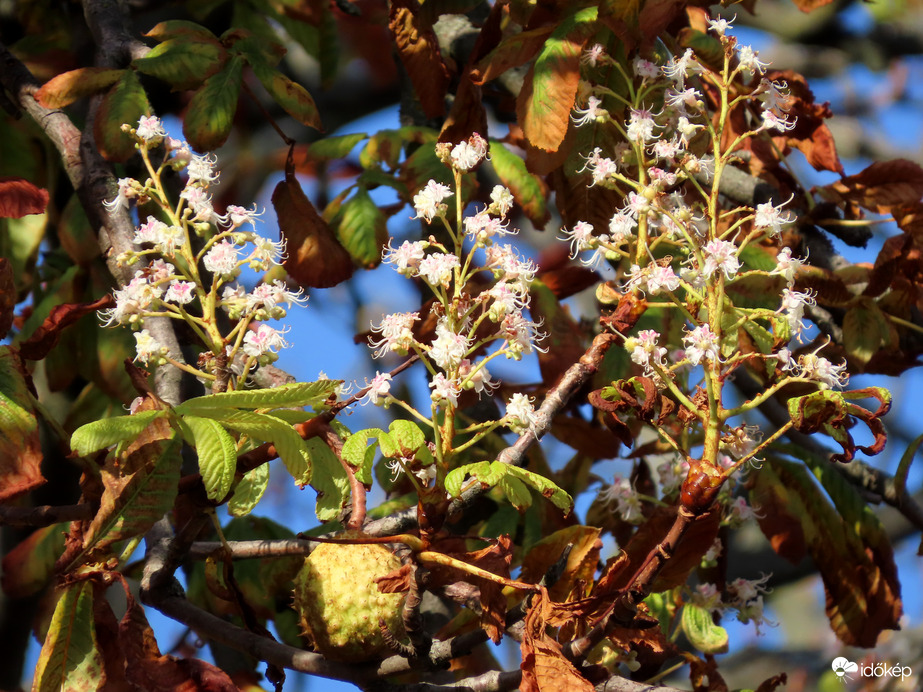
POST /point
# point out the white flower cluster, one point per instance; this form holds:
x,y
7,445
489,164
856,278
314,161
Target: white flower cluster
x,y
173,283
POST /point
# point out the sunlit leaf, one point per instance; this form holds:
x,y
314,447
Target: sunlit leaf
x,y
211,111
71,86
702,631
216,452
294,98
296,394
109,431
28,567
184,62
362,228
528,190
248,491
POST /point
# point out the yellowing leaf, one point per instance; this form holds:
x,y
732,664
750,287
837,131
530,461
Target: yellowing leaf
x,y
71,86
183,63
528,190
211,111
20,446
70,659
362,228
294,98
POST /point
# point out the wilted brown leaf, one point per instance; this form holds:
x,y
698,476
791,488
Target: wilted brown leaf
x,y
581,562
881,186
810,134
544,667
19,197
418,49
46,336
315,256
20,444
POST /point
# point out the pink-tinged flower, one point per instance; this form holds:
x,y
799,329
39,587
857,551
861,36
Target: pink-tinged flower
x,y
147,348
263,340
506,299
437,269
132,301
661,178
645,68
701,343
624,497
222,258
661,278
591,114
198,199
744,439
201,169
150,129
581,238
645,351
428,201
507,265
406,258
467,155
708,597
238,216
128,189
180,292
768,216
396,334
501,201
771,121
746,590
168,239
793,306
621,227
773,96
159,271
599,167
448,348
482,227
750,62
740,511
444,390
379,388
149,231
592,55
786,265
640,126
666,149
521,335
475,377
720,255
520,414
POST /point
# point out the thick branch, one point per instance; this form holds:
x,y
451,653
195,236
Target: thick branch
x,y
44,515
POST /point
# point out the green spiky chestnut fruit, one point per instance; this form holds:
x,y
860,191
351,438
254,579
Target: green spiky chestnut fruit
x,y
339,604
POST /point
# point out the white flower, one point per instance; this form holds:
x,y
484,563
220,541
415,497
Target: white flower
x,y
720,255
786,265
640,126
437,269
428,201
127,190
266,252
768,216
621,227
238,216
817,368
592,55
201,169
701,343
222,258
150,129
721,25
600,168
682,98
181,292
591,114
625,497
645,351
407,257
678,68
467,155
581,238
200,202
379,388
660,278
148,349
771,121
264,340
520,413
448,348
645,68
475,377
501,201
444,390
396,334
521,335
750,62
793,305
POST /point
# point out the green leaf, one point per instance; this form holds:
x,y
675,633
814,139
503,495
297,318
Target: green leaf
x,y
761,336
183,63
385,147
545,486
211,111
407,439
335,147
702,631
330,480
490,473
70,659
109,431
359,454
294,98
137,490
71,86
249,491
259,426
217,454
516,492
480,470
297,394
362,228
527,189
124,103
20,439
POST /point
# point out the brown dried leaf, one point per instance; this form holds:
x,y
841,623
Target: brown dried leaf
x,y
418,49
397,581
315,256
544,667
704,675
581,562
46,336
20,444
810,134
19,197
884,184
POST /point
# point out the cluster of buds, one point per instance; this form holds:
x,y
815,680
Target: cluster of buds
x,y
190,258
494,322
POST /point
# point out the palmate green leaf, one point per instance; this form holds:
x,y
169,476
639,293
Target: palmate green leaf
x,y
490,473
216,451
362,228
70,659
249,491
702,631
291,96
265,428
865,327
516,492
137,490
546,487
296,394
329,480
184,62
358,453
124,103
335,147
211,111
109,431
527,189
403,439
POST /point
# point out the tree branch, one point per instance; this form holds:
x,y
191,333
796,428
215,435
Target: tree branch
x,y
45,515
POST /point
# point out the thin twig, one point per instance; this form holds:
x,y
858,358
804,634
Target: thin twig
x,y
45,515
